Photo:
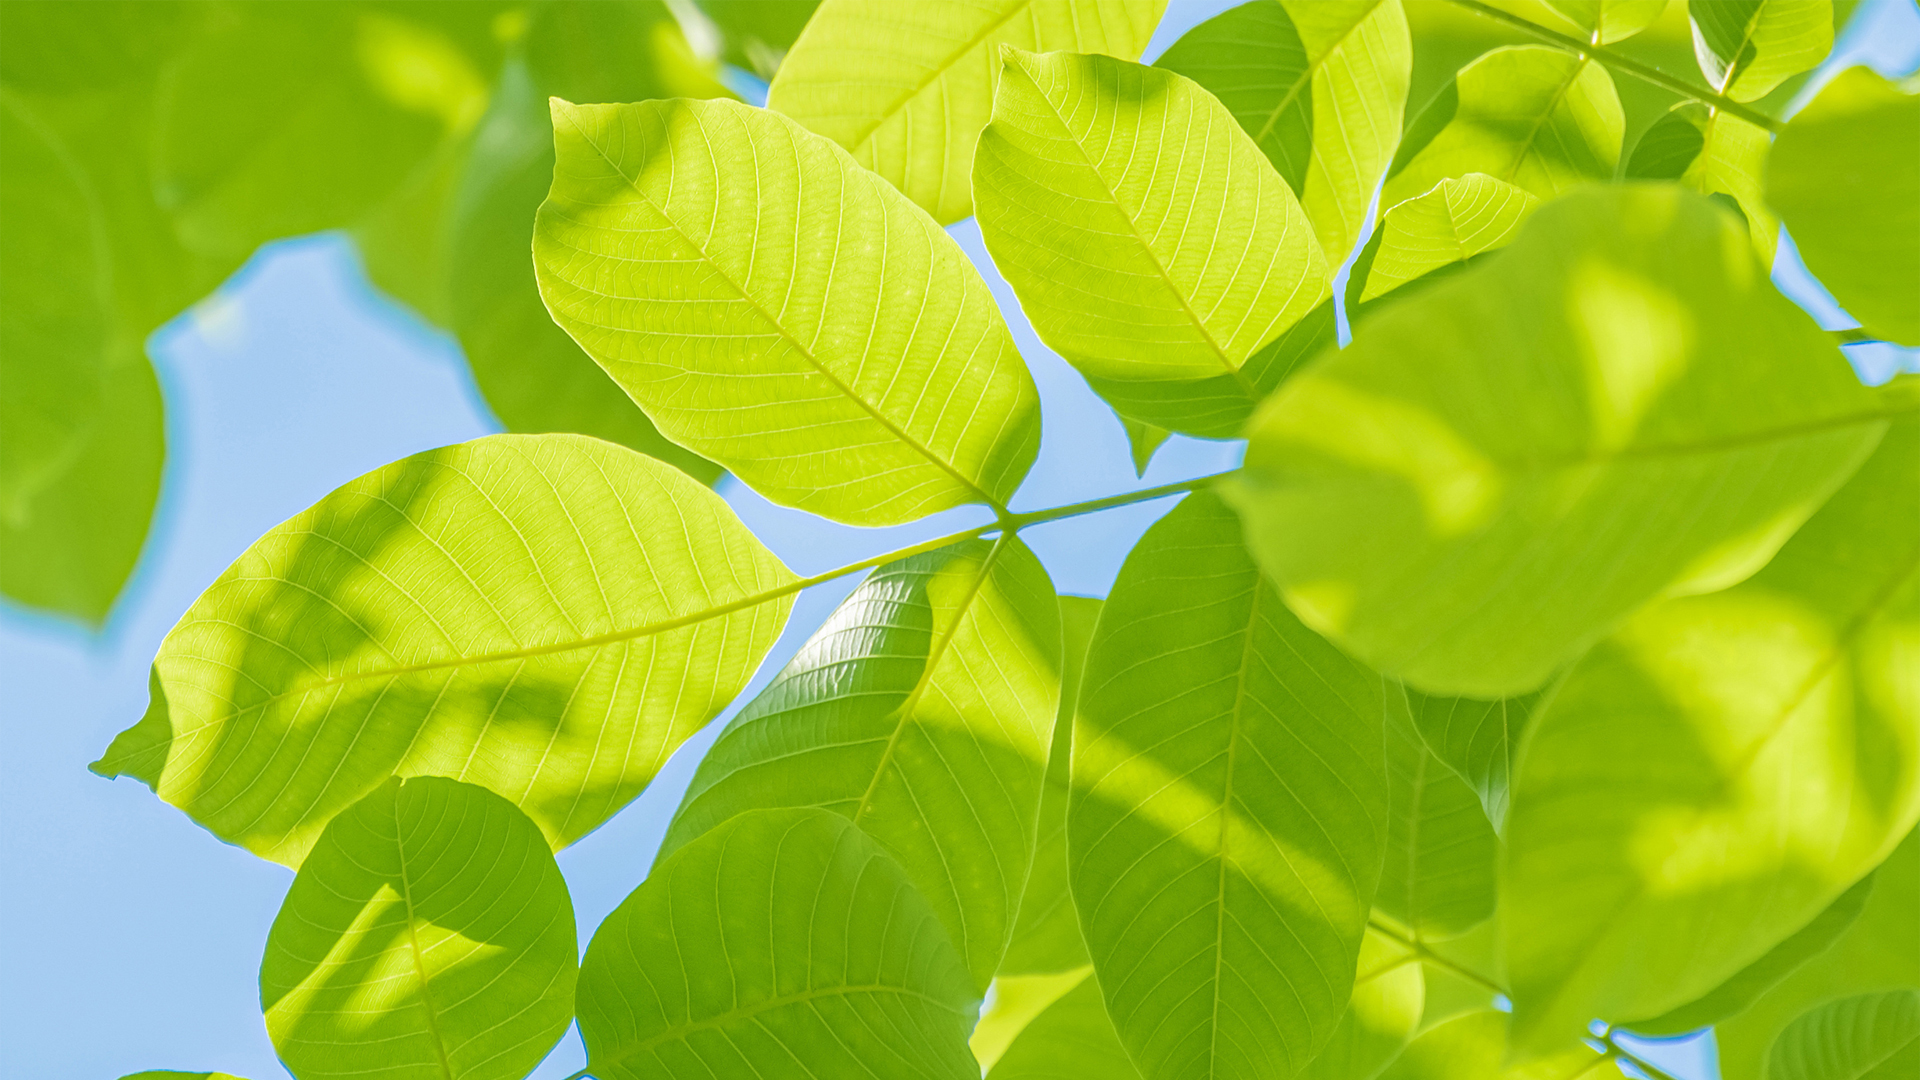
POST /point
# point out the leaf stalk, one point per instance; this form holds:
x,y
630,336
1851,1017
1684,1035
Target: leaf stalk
x,y
1644,72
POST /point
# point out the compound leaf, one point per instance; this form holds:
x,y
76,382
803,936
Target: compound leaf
x,y
1146,236
1535,117
1869,1037
1459,219
1713,775
428,936
545,615
1748,47
1321,86
1844,182
1227,819
922,710
782,944
1500,468
811,331
926,78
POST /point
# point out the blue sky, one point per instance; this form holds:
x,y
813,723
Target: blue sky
x,y
130,938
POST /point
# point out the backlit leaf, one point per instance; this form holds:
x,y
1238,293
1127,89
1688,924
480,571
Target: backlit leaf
x,y
1473,1046
545,615
1599,21
1228,810
1146,236
1385,1009
923,710
1621,389
1321,86
1712,152
926,75
1722,768
783,944
1142,441
428,935
1880,951
1458,219
1748,47
1071,1039
1870,1037
1476,739
1535,117
1844,182
1438,875
811,331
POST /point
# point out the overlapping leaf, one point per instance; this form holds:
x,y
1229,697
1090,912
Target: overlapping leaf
x,y
1713,152
1072,1039
807,328
1228,810
1146,236
1388,990
1502,467
1748,47
906,88
1538,118
923,711
1869,1037
1599,21
545,615
1438,876
428,936
1321,86
1456,221
782,944
1717,772
1476,739
1849,192
1473,1046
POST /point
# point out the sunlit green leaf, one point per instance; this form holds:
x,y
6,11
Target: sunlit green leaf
x,y
1712,152
544,615
1476,739
1599,21
1321,85
1142,441
923,710
1457,220
1870,1037
813,332
782,944
1535,117
1046,936
1621,388
1849,190
758,33
1228,810
1748,47
1750,982
1722,768
925,78
1387,995
1473,1046
428,935
1014,1002
1438,875
1146,236
1071,1039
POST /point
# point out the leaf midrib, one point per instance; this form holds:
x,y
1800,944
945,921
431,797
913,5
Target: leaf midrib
x,y
780,328
939,71
414,950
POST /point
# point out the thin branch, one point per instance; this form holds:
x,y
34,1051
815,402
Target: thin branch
x,y
1428,956
1094,506
1627,64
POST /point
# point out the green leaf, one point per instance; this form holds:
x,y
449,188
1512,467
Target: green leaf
x,y
1388,991
1322,88
1499,469
288,119
1046,935
1218,407
1473,1046
1540,119
1228,810
1457,220
1712,152
1880,951
533,375
782,944
1013,1002
1142,441
545,615
884,384
1870,1037
1476,739
926,78
1849,191
1072,1039
1748,47
1730,998
428,935
1599,21
758,33
1718,771
1146,236
923,710
1438,876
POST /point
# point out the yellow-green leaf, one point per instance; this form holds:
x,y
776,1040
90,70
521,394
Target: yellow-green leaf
x,y
1748,47
1457,220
